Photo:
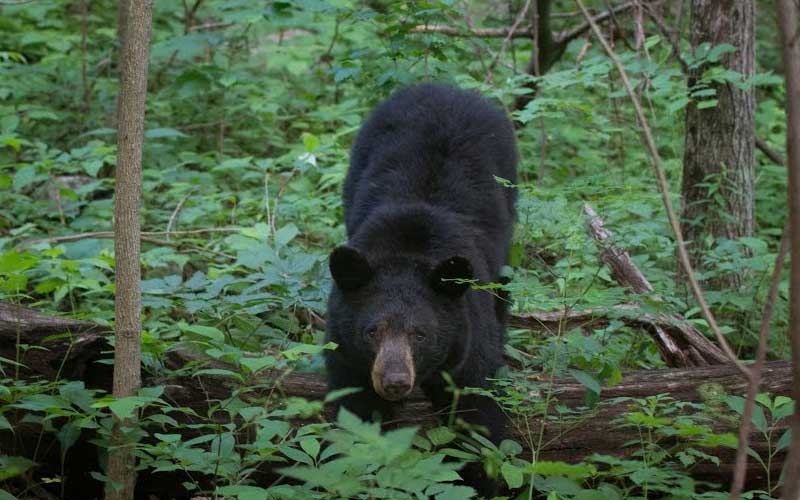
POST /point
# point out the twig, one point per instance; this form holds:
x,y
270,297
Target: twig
x,y
507,39
189,15
473,32
789,21
770,153
144,237
567,36
740,471
110,234
668,34
563,38
326,56
84,31
210,26
164,67
270,221
619,28
664,190
175,213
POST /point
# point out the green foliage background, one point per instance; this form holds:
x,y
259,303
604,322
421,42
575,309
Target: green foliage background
x,y
251,111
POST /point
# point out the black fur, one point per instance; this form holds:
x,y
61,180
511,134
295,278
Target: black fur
x,y
421,203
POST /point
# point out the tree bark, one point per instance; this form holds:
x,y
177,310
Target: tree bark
x,y
720,140
789,20
137,19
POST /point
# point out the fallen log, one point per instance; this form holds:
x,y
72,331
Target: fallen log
x,y
570,435
677,340
567,436
679,343
15,318
49,347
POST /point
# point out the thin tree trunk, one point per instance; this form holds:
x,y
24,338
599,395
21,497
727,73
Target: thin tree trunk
x,y
545,52
130,137
720,140
789,20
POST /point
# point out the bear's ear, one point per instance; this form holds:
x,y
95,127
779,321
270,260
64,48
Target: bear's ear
x,y
447,276
350,270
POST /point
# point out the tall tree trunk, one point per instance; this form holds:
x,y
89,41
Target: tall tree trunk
x,y
789,20
130,137
720,140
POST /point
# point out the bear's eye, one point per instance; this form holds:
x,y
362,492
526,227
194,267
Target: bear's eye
x,y
371,332
419,337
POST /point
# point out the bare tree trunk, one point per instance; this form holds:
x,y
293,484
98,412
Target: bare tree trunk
x,y
130,137
789,20
720,140
545,52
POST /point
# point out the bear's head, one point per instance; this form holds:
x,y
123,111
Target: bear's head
x,y
405,316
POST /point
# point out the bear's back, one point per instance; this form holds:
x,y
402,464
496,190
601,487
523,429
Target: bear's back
x,y
436,145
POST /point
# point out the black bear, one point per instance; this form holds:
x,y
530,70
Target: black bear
x,y
426,217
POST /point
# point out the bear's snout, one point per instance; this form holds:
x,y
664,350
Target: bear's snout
x,y
396,385
393,373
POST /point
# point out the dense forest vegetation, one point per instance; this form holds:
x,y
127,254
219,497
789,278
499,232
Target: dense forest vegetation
x,y
620,382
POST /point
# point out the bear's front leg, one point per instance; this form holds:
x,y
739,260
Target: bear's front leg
x,y
479,411
365,404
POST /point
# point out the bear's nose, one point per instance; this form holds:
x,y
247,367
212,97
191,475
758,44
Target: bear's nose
x,y
396,385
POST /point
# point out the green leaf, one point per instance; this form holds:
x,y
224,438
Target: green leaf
x,y
340,393
456,453
310,141
215,372
440,435
784,441
590,495
5,424
545,468
717,52
735,403
68,435
15,262
296,455
310,446
92,167
204,331
123,408
163,133
24,177
512,474
456,493
244,492
9,123
13,467
299,350
285,234
254,365
4,495
783,408
510,448
764,400
587,380
708,103
759,419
